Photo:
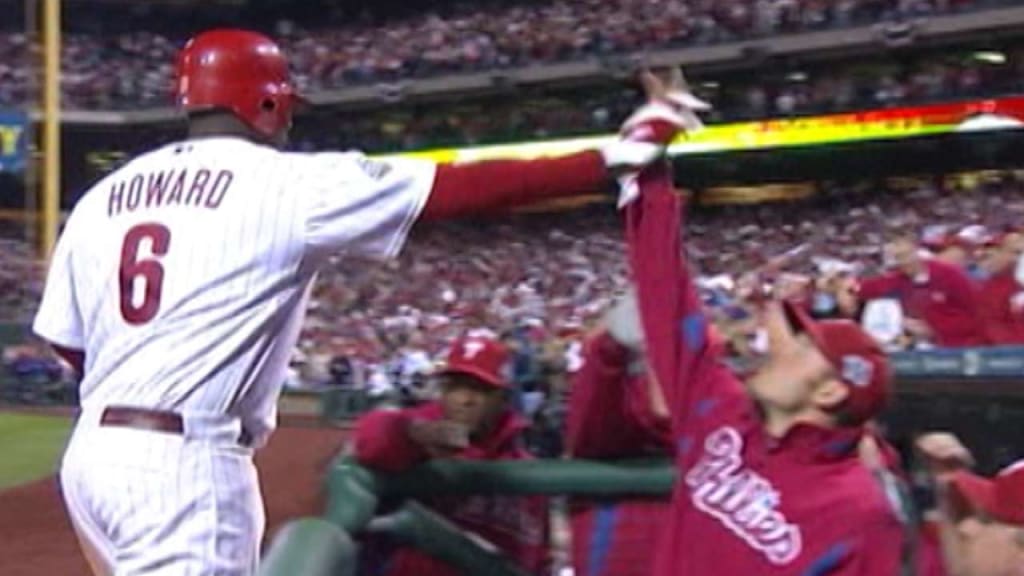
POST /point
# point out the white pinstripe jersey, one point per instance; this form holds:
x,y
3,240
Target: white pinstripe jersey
x,y
184,275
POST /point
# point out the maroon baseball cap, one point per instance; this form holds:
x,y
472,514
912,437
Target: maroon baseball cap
x,y
858,360
485,359
1000,498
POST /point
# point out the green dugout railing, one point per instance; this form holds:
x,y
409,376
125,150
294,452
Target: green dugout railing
x,y
321,547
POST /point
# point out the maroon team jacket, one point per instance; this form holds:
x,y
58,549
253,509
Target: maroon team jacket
x,y
610,418
516,525
947,301
744,503
1004,318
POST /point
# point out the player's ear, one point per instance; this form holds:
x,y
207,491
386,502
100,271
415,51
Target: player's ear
x,y
829,394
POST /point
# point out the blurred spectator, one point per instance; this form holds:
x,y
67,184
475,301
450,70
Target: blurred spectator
x,y
961,249
20,281
1001,298
938,300
980,520
447,282
34,361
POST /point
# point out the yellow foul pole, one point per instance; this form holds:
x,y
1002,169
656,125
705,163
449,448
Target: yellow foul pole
x,y
51,124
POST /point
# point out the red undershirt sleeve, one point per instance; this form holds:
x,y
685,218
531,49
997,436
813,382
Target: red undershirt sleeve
x,y
497,185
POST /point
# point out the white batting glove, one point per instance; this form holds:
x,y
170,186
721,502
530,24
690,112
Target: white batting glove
x,y
670,110
622,321
630,156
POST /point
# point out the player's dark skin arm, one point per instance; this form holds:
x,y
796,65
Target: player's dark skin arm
x,y
76,358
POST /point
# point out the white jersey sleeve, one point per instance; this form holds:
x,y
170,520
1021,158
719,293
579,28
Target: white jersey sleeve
x,y
59,319
361,206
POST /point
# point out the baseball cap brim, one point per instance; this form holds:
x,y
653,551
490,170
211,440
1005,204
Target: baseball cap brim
x,y
972,493
856,358
476,372
801,322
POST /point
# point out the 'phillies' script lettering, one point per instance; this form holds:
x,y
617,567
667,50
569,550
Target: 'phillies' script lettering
x,y
741,499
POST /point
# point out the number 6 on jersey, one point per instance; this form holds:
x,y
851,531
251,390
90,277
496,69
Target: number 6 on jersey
x,y
147,270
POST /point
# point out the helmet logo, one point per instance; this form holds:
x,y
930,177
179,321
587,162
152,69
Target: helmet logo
x,y
857,370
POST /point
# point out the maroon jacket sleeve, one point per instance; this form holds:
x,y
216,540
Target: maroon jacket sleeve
x,y
876,287
497,185
960,324
996,312
994,307
676,329
382,443
598,423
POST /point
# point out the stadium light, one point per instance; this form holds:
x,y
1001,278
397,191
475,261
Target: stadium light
x,y
990,56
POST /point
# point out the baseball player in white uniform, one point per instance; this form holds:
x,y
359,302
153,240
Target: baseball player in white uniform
x,y
178,288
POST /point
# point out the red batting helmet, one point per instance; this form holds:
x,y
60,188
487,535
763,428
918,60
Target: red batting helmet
x,y
240,71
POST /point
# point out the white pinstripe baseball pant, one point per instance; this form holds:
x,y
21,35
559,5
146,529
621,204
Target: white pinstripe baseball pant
x,y
164,504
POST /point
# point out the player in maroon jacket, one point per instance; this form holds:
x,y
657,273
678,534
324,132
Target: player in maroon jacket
x,y
471,421
616,411
770,482
939,300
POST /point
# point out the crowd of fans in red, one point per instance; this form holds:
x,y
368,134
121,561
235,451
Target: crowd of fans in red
x,y
554,274
126,70
549,277
777,92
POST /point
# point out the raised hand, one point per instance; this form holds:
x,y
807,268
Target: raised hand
x,y
943,453
439,438
670,110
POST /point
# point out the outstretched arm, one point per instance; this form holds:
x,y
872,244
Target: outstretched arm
x,y
462,189
676,329
497,185
367,206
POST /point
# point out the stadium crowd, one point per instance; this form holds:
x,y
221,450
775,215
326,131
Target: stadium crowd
x,y
119,70
532,114
20,281
544,279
